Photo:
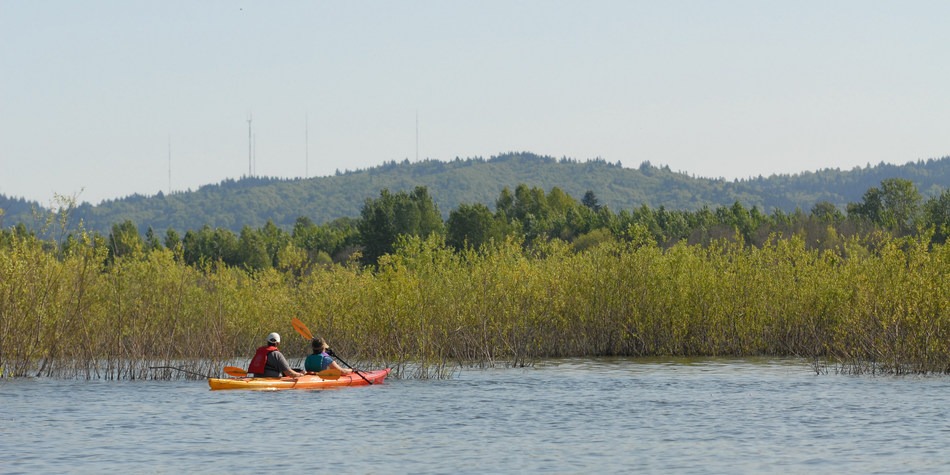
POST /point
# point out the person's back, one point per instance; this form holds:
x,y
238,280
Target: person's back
x,y
269,362
320,360
276,366
316,363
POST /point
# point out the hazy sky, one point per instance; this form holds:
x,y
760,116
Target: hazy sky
x,y
93,92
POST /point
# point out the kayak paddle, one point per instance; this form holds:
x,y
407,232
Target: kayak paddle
x,y
235,371
301,328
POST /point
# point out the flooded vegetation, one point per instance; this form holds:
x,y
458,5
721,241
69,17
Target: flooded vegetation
x,y
873,304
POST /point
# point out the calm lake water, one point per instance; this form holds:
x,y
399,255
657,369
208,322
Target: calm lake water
x,y
587,416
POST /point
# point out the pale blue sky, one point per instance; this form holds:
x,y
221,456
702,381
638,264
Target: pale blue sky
x,y
91,92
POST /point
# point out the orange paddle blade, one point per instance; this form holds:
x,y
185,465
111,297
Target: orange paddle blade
x,y
301,328
235,371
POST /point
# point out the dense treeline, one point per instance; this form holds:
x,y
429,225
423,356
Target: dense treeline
x,y
544,275
894,207
253,201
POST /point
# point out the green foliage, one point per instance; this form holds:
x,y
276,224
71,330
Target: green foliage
x,y
472,225
533,216
172,240
594,238
207,246
896,206
252,250
332,239
233,204
590,200
391,215
124,240
827,213
544,276
151,241
879,304
937,214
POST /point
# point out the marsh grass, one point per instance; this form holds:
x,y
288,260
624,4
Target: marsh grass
x,y
868,306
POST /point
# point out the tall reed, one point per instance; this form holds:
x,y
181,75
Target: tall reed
x,y
868,305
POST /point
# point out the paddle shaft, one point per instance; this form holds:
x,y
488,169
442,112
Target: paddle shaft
x,y
179,369
354,369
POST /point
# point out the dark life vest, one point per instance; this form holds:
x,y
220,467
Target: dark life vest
x,y
259,362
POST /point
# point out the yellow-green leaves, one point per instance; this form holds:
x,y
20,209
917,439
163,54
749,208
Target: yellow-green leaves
x,y
871,304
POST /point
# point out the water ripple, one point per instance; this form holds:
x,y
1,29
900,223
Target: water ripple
x,y
565,416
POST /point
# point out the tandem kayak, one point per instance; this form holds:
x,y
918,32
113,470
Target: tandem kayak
x,y
310,381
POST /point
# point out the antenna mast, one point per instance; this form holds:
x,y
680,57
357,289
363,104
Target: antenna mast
x,y
417,136
169,164
306,145
250,156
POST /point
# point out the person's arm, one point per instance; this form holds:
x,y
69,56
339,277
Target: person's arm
x,y
284,366
339,368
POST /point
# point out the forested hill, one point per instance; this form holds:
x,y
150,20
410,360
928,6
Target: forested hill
x,y
233,204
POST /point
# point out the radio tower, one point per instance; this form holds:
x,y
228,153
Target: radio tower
x,y
250,156
306,145
169,164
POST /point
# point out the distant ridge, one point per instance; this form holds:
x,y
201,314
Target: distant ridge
x,y
233,204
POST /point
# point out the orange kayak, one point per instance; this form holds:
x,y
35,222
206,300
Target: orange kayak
x,y
310,381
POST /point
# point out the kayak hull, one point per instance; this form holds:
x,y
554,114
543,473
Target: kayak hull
x,y
310,381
